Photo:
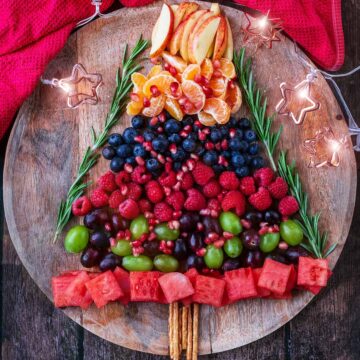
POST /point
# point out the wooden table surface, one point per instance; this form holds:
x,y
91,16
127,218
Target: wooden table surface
x,y
329,328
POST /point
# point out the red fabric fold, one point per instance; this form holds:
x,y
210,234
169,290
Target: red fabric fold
x,y
33,32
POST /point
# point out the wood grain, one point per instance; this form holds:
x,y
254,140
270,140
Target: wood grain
x,y
46,145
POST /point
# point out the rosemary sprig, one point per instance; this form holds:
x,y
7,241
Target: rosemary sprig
x,y
123,86
309,223
257,104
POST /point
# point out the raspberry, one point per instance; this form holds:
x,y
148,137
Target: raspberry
x,y
122,178
168,179
234,200
81,206
176,199
134,191
99,198
228,180
140,175
163,212
144,205
279,188
129,209
115,199
288,206
187,181
195,200
211,189
202,173
264,176
154,192
107,182
261,200
214,204
247,185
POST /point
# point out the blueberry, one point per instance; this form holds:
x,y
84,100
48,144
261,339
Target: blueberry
x,y
149,135
116,164
244,123
257,162
115,140
224,132
175,138
188,120
160,144
243,145
242,171
124,151
235,144
192,136
139,151
253,148
108,152
138,122
218,168
131,160
215,135
172,126
250,136
180,155
237,160
129,135
177,166
247,159
233,122
210,157
189,144
199,150
239,133
152,165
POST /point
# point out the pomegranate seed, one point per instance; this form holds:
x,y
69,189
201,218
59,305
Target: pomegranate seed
x,y
187,128
152,236
207,241
283,245
198,78
219,243
139,139
188,106
148,215
174,86
264,230
172,71
207,91
184,169
190,164
162,117
146,102
154,91
213,236
177,186
139,160
199,226
108,227
124,190
205,81
201,136
134,97
228,235
205,212
194,156
209,146
224,144
217,74
231,84
153,121
246,224
206,131
167,190
170,244
147,145
182,100
214,213
173,148
216,64
177,214
161,158
160,130
168,167
201,252
198,124
120,235
112,242
232,133
166,66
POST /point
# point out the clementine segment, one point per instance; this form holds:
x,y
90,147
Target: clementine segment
x,y
233,98
218,86
227,68
207,69
164,83
206,119
218,108
156,106
195,94
173,108
190,72
155,70
138,80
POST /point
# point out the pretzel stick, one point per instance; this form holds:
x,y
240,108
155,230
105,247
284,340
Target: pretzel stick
x,y
184,325
189,335
171,330
195,332
176,331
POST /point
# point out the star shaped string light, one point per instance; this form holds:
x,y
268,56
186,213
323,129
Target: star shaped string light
x,y
81,87
324,148
297,101
262,31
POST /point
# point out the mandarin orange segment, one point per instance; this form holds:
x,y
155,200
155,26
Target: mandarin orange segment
x,y
138,80
207,68
218,108
133,108
227,68
195,94
233,98
156,106
206,119
218,85
173,108
163,83
190,72
155,70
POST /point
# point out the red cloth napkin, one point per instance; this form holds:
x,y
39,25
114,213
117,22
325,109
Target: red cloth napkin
x,y
33,32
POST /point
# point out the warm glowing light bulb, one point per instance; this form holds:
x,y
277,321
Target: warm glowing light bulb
x,y
66,87
335,145
263,22
302,93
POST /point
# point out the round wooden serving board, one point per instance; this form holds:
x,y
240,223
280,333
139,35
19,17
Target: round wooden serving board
x,y
48,141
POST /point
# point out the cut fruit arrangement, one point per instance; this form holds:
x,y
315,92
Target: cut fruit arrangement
x,y
188,212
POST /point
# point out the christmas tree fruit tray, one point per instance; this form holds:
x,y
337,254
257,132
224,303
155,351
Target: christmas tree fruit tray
x,y
187,190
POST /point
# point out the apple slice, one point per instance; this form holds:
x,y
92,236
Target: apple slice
x,y
204,38
215,8
174,8
162,31
190,24
176,61
175,42
200,21
182,11
220,39
229,51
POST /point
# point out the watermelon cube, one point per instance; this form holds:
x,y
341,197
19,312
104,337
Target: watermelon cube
x,y
59,285
240,284
191,274
76,293
144,286
123,279
209,290
312,272
104,288
274,277
263,293
175,286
